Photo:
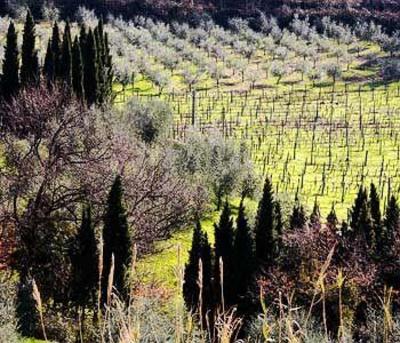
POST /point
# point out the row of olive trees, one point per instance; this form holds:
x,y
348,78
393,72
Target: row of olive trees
x,y
211,51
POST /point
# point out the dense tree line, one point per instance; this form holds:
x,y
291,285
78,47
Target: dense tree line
x,y
278,257
99,265
383,11
83,64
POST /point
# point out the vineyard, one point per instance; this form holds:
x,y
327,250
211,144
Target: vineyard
x,y
313,109
191,182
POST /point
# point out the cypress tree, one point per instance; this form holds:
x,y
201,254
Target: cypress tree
x,y
30,62
90,77
224,239
264,227
85,262
117,242
298,217
104,64
243,254
66,56
374,205
25,309
391,225
316,214
200,250
362,197
366,225
98,35
56,51
108,70
49,68
278,228
10,78
77,70
332,219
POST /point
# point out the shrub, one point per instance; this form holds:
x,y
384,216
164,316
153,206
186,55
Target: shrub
x,y
151,120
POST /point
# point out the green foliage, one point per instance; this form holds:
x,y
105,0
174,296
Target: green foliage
x,y
117,242
151,119
10,77
8,323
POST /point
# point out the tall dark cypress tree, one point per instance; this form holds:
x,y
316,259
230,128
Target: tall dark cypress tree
x,y
391,224
375,208
316,214
298,217
77,70
10,78
85,263
56,51
332,219
244,259
279,227
26,312
99,36
366,225
104,64
49,68
108,70
200,250
374,205
362,197
30,63
66,56
224,236
117,242
264,227
90,77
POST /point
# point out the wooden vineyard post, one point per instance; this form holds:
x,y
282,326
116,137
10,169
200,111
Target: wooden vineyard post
x,y
193,108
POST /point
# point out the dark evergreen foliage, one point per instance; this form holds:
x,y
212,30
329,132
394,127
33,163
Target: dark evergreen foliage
x,y
56,51
243,255
49,68
316,214
298,217
391,224
77,70
25,309
362,198
264,227
200,250
10,77
332,219
375,206
30,63
85,262
90,78
116,241
66,56
279,227
224,239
